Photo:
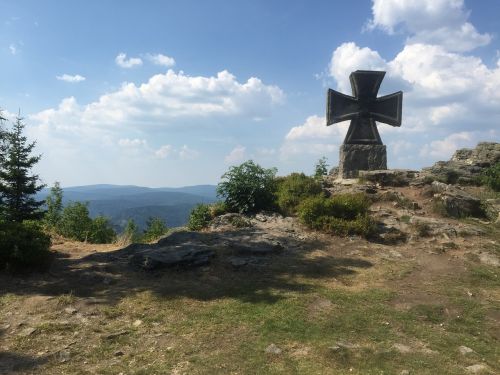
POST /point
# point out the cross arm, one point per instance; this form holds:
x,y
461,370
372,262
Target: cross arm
x,y
388,109
346,107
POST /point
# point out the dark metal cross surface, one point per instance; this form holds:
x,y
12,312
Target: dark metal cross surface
x,y
364,108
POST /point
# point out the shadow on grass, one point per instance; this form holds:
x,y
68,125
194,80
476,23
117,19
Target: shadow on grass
x,y
11,362
109,277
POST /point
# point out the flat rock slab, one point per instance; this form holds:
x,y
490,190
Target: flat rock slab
x,y
184,255
389,177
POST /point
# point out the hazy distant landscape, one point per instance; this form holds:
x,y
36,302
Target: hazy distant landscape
x,y
123,202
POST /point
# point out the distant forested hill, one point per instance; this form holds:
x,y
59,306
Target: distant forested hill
x,y
123,202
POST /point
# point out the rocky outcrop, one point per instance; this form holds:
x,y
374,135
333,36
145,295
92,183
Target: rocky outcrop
x,y
466,165
389,177
455,202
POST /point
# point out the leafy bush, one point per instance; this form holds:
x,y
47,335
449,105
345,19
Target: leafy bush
x,y
75,222
321,168
342,214
23,246
491,177
218,208
199,217
248,187
130,234
101,231
155,228
293,189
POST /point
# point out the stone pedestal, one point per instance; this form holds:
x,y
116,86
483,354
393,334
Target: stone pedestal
x,y
355,158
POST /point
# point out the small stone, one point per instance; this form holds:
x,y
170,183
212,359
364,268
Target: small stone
x,y
70,310
273,349
27,332
464,350
402,348
115,335
404,372
118,353
137,323
477,369
64,356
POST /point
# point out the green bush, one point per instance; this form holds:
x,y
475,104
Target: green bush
x,y
293,189
75,222
23,246
321,168
248,188
130,233
342,214
218,208
155,228
491,177
101,231
199,217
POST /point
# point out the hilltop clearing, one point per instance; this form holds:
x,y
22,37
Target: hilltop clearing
x,y
269,296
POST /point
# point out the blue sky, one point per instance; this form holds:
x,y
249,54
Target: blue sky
x,y
172,93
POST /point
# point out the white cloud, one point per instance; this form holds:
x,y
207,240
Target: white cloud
x,y
183,153
166,98
122,61
164,151
437,22
443,149
315,128
13,49
126,142
186,153
236,156
70,78
313,137
162,60
347,58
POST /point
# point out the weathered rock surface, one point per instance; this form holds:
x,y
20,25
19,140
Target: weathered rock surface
x,y
466,164
188,254
389,177
456,202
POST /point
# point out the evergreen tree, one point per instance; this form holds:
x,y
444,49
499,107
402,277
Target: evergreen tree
x,y
3,147
54,206
155,228
17,184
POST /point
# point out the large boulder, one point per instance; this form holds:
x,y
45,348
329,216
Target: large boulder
x,y
188,254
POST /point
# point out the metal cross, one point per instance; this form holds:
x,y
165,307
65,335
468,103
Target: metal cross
x,y
364,108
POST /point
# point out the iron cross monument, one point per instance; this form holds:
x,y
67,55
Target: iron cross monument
x,y
362,148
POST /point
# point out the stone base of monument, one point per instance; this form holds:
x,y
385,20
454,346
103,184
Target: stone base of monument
x,y
355,158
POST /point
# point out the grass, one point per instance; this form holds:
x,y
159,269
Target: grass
x,y
191,325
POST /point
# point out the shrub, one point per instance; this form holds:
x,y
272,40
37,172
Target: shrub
x,y
75,222
155,228
130,234
23,246
101,231
343,214
321,168
248,187
491,177
218,208
199,217
293,189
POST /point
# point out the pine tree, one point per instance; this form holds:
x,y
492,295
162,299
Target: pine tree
x,y
17,184
3,148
